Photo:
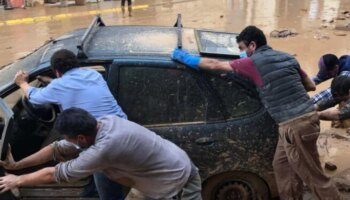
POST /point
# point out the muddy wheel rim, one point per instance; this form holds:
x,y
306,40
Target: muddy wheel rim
x,y
234,190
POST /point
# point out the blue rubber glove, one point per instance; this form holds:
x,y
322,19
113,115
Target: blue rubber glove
x,y
184,57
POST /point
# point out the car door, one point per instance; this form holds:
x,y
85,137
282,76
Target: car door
x,y
212,118
6,125
251,134
6,115
170,100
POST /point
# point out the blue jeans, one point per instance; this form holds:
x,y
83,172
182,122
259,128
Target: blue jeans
x,y
107,189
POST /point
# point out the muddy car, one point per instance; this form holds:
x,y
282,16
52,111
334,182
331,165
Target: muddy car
x,y
216,118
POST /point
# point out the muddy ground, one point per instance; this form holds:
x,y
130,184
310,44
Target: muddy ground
x,y
309,28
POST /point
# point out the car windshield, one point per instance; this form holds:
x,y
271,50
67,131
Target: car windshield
x,y
27,64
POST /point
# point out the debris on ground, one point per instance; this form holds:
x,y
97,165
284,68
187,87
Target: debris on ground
x,y
282,33
338,136
324,26
340,18
330,21
342,180
340,33
345,13
321,36
330,166
343,27
336,124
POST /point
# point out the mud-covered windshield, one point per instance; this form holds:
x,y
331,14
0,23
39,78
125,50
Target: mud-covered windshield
x,y
28,63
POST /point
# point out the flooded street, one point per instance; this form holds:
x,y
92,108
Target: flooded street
x,y
23,30
320,26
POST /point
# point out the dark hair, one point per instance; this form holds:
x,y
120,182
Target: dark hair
x,y
75,121
340,86
64,60
252,33
330,60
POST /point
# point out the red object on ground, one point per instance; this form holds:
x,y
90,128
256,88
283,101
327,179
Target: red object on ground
x,y
17,3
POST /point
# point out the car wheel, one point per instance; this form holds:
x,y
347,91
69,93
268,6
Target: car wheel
x,y
235,185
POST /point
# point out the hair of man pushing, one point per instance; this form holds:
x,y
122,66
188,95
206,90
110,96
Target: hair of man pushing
x,y
340,86
252,33
75,121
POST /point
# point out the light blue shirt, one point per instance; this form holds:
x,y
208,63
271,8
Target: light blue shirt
x,y
81,88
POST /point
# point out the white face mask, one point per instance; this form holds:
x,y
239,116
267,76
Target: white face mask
x,y
243,54
77,146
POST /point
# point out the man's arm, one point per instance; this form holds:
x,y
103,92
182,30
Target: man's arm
x,y
329,114
245,66
326,103
309,85
43,176
214,64
336,114
322,96
21,79
196,62
36,95
86,164
40,157
316,80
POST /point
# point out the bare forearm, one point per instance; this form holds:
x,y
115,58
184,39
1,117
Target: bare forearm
x,y
43,176
25,87
329,115
213,64
309,85
40,157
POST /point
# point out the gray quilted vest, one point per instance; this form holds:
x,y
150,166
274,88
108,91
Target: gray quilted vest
x,y
282,92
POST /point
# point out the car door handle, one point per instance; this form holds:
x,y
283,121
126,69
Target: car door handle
x,y
205,141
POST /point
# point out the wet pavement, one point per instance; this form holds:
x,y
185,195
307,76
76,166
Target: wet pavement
x,y
319,24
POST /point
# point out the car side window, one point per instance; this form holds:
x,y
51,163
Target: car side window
x,y
152,96
99,68
238,97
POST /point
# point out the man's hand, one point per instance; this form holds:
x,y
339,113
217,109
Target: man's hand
x,y
186,58
21,77
9,162
44,79
8,182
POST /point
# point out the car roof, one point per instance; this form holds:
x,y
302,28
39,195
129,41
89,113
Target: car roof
x,y
113,41
106,43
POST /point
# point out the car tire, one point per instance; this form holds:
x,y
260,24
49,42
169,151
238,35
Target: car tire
x,y
235,185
